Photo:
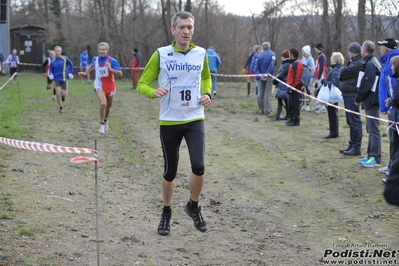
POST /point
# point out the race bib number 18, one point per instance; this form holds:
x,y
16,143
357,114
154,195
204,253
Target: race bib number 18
x,y
184,97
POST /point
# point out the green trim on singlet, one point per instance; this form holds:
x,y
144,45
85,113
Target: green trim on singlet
x,y
151,72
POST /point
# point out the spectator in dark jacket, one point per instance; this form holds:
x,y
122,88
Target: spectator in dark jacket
x,y
332,79
294,80
282,89
348,78
391,191
367,96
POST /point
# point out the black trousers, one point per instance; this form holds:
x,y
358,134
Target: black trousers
x,y
333,119
294,103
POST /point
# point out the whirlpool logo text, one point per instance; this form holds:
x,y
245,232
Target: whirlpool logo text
x,y
174,66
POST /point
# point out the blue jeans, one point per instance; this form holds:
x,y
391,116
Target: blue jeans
x,y
373,129
354,122
214,80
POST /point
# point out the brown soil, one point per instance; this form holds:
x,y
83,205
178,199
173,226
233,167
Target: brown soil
x,y
274,195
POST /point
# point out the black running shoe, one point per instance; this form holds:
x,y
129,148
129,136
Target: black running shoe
x,y
63,98
196,215
164,224
61,109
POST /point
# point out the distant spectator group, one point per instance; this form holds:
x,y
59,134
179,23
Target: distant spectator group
x,y
365,83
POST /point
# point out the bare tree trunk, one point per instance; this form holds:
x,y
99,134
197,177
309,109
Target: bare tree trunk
x,y
325,34
103,34
56,8
373,23
166,7
336,38
361,19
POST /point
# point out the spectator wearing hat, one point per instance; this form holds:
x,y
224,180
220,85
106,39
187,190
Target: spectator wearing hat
x,y
265,65
347,84
388,49
308,61
282,89
319,74
391,191
367,96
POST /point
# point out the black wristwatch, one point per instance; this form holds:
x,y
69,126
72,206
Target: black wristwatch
x,y
207,93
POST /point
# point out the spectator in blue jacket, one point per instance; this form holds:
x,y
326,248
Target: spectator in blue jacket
x,y
214,63
84,64
61,70
258,49
388,49
265,65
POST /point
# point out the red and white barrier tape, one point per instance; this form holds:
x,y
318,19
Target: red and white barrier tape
x,y
8,81
77,67
45,147
82,159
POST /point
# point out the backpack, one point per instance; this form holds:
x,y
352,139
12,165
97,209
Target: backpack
x,y
306,75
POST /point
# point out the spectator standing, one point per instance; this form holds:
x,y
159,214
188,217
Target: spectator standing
x,y
258,50
214,63
388,49
61,70
13,62
247,69
106,68
319,74
84,64
367,96
282,89
308,61
265,65
135,66
348,76
46,68
294,79
391,191
183,94
332,79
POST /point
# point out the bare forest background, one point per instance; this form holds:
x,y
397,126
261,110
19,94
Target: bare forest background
x,y
144,24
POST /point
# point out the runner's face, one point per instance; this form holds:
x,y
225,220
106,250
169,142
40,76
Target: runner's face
x,y
102,50
183,32
58,52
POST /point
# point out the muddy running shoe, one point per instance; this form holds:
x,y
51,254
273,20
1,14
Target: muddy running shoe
x,y
164,224
54,98
61,109
63,98
196,215
106,126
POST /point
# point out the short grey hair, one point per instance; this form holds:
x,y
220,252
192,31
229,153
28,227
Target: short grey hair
x,y
182,15
266,45
369,46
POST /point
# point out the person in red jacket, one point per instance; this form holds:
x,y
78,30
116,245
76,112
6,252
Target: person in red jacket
x,y
135,66
294,79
